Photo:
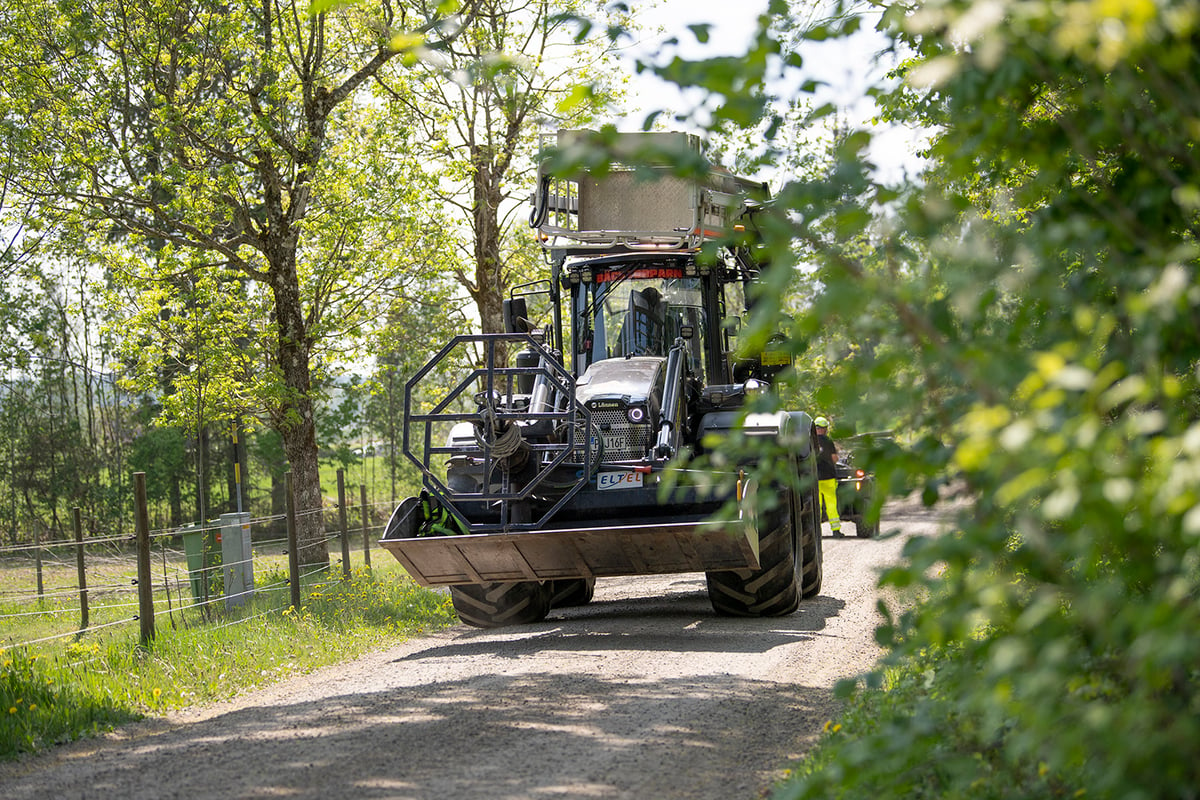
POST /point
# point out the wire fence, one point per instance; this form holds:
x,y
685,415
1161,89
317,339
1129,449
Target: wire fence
x,y
217,573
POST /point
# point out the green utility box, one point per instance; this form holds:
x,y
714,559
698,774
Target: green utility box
x,y
194,544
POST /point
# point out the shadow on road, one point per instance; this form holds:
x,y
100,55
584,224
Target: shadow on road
x,y
524,735
678,622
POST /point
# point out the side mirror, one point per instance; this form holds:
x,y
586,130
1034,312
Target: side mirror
x,y
515,315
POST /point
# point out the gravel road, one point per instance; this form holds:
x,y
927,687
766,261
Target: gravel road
x,y
643,694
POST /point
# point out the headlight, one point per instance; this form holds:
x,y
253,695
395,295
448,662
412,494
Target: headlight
x,y
635,414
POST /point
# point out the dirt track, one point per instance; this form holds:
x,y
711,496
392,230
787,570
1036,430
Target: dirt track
x,y
643,694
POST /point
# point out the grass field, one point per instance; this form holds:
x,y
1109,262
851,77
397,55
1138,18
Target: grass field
x,y
57,685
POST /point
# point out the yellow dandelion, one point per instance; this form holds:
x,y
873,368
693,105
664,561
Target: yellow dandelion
x,y
157,693
32,706
12,709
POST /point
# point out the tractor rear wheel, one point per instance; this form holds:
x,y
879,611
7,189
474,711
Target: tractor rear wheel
x,y
809,532
774,588
572,592
494,605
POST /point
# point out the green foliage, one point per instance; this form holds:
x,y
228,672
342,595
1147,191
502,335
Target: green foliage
x,y
906,736
479,108
1026,318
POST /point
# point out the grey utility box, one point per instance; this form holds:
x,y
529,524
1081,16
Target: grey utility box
x,y
237,563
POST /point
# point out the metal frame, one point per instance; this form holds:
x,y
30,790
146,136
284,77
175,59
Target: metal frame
x,y
549,456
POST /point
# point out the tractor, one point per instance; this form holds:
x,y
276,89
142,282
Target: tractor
x,y
568,448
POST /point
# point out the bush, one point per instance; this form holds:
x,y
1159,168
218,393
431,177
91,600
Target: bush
x,y
1029,312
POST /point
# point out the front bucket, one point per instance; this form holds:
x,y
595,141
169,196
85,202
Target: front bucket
x,y
625,547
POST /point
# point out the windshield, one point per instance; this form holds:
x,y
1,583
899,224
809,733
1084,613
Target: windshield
x,y
642,313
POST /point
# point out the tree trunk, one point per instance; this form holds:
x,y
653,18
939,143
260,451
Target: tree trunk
x,y
489,267
489,273
175,495
202,474
295,419
300,443
278,504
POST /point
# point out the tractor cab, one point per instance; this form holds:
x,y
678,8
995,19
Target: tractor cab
x,y
636,306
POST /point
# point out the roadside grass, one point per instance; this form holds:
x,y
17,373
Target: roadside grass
x,y
61,690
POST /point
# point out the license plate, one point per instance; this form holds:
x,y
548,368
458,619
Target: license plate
x,y
618,480
614,444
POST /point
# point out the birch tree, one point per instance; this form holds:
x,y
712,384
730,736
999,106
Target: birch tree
x,y
518,68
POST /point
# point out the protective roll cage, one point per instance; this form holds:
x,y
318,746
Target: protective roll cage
x,y
555,435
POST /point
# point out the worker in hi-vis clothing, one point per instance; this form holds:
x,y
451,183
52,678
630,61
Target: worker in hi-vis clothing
x,y
827,456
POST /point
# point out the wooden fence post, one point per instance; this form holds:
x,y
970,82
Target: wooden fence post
x,y
145,581
366,536
293,543
341,479
37,561
77,514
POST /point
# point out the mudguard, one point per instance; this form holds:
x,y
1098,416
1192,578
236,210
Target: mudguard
x,y
793,428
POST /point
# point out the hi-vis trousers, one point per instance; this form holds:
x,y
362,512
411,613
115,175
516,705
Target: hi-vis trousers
x,y
829,500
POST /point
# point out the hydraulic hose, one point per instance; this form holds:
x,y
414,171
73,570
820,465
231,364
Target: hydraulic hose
x,y
541,204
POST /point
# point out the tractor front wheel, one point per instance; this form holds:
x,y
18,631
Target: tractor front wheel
x,y
809,533
865,529
773,589
494,605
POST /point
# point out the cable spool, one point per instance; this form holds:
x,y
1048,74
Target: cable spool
x,y
504,446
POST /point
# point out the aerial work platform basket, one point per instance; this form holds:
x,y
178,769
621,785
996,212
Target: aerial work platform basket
x,y
676,198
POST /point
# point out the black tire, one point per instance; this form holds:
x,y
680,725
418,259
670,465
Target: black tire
x,y
573,592
494,605
865,529
811,556
774,589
